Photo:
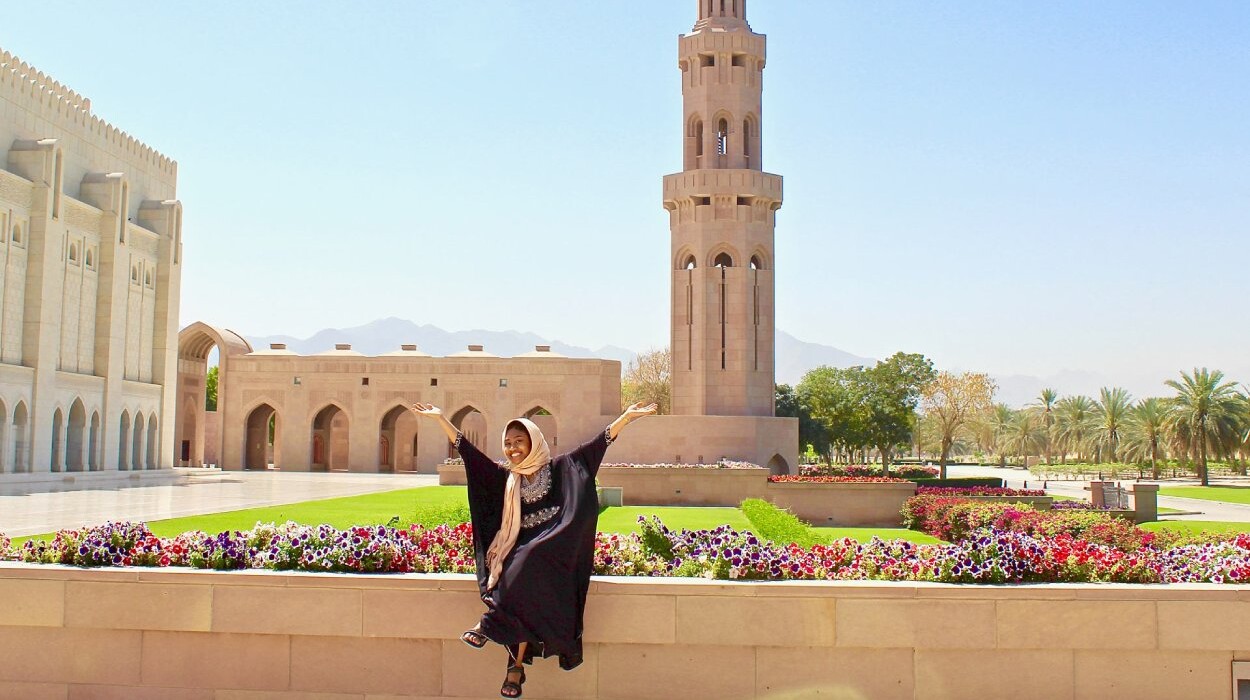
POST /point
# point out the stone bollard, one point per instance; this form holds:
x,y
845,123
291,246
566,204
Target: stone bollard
x,y
1145,503
1095,494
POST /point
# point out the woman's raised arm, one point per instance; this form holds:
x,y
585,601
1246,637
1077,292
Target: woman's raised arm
x,y
429,410
631,414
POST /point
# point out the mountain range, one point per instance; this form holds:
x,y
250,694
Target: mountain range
x,y
794,357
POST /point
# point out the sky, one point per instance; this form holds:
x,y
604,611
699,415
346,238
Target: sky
x,y
1018,188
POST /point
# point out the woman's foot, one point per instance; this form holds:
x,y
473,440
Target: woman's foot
x,y
512,682
474,638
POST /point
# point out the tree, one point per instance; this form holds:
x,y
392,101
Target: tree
x,y
210,389
834,398
649,378
890,396
1111,412
1074,423
952,400
1044,407
811,431
990,430
1147,431
1204,406
1022,436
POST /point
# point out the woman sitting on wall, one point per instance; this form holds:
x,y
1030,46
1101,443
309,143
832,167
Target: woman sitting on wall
x,y
534,521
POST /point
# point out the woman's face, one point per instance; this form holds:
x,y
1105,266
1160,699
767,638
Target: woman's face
x,y
516,445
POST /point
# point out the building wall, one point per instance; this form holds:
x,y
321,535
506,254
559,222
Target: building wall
x,y
200,634
90,258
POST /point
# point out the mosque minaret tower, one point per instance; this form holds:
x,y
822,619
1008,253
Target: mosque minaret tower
x,y
722,209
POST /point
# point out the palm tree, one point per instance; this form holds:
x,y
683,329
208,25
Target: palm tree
x,y
1023,436
1146,433
1074,423
1204,404
1111,413
990,429
1045,409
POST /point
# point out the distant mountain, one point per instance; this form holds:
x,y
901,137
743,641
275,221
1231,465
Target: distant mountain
x,y
794,357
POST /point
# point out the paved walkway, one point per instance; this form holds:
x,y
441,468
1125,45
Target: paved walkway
x,y
1192,508
37,508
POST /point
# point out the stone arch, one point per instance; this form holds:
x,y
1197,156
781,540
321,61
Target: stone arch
x,y
470,421
397,429
137,442
760,259
778,466
685,259
58,446
152,460
93,443
123,442
191,432
21,438
546,421
331,427
75,437
260,448
724,249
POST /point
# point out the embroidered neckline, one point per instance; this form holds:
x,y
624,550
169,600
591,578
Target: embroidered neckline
x,y
538,488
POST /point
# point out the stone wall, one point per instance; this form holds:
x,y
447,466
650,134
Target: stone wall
x,y
70,633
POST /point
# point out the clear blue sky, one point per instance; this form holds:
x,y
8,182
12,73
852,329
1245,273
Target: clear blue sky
x,y
1011,187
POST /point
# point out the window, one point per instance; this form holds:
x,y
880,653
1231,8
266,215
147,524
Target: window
x,y
689,264
707,60
147,278
723,260
17,234
364,381
73,253
722,137
503,383
433,382
295,381
91,258
756,264
134,274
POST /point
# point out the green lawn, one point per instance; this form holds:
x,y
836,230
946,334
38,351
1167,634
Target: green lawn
x,y
1229,494
1196,526
624,519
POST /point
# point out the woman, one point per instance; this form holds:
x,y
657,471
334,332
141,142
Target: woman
x,y
534,523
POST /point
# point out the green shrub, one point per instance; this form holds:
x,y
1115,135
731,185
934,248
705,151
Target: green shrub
x,y
780,526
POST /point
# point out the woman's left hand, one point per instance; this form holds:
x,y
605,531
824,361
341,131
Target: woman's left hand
x,y
639,410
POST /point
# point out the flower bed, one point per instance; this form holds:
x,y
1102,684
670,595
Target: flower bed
x,y
901,471
792,479
975,491
723,464
986,555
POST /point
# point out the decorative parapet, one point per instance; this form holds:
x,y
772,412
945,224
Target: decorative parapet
x,y
54,101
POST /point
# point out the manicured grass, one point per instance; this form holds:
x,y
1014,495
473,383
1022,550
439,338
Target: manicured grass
x,y
863,534
1196,526
1228,494
624,519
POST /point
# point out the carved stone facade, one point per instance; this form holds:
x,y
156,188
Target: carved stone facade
x,y
90,267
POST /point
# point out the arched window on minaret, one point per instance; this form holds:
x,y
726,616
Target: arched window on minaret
x,y
694,144
723,260
722,137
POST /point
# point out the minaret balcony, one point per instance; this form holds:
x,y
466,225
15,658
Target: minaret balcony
x,y
711,182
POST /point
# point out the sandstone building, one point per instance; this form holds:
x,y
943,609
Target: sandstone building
x,y
90,265
341,410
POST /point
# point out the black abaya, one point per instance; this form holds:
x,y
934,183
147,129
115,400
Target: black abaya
x,y
541,593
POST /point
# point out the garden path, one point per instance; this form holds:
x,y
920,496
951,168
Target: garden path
x,y
29,510
1196,509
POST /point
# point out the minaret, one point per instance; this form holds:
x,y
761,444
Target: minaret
x,y
722,209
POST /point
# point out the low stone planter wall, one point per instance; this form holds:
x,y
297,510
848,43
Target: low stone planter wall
x,y
836,504
199,634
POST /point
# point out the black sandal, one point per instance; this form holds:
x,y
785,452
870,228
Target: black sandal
x,y
511,689
474,638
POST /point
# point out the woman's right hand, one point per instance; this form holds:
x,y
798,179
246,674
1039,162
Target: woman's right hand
x,y
426,409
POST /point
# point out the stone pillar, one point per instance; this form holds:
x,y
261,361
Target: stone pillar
x,y
1095,494
1145,503
59,456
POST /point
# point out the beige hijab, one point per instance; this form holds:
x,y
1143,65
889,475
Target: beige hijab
x,y
510,527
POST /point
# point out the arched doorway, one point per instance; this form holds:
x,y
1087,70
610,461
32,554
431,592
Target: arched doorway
x,y
472,424
152,461
262,437
93,443
330,439
137,443
397,440
21,438
123,442
203,398
58,444
546,422
777,466
74,437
